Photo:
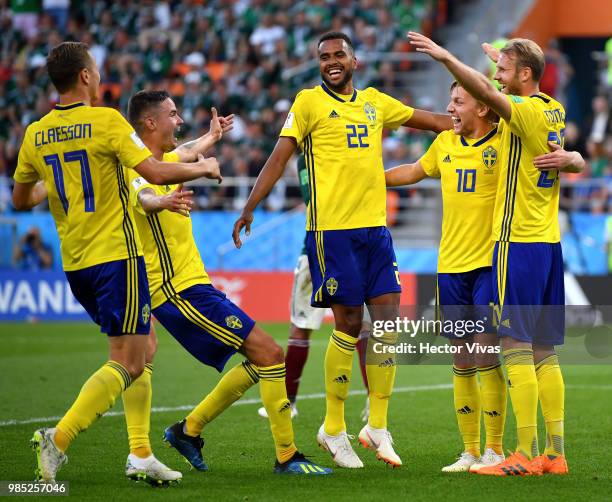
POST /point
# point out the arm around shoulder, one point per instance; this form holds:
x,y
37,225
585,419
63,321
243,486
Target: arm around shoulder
x,y
405,174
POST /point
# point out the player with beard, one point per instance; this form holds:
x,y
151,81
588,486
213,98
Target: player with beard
x,y
527,259
349,248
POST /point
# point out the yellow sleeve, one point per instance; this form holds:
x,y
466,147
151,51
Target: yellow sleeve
x,y
525,116
429,160
124,141
25,172
171,157
395,113
297,123
137,184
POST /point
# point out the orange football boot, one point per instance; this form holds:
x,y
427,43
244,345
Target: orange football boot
x,y
557,465
516,464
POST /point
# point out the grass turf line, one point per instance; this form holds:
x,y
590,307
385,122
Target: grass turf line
x,y
44,365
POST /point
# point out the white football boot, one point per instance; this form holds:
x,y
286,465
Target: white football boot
x,y
381,442
49,458
488,458
340,449
463,463
150,470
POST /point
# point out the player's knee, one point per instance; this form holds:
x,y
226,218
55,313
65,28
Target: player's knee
x,y
276,354
462,359
135,369
151,349
350,325
541,352
484,360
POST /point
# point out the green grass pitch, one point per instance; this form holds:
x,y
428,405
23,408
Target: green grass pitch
x,y
44,365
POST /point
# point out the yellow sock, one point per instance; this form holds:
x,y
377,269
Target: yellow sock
x,y
338,368
97,395
523,388
493,397
137,409
381,377
552,396
467,407
229,389
274,397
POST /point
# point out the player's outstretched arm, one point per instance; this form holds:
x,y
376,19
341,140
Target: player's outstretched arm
x,y
405,174
179,201
474,82
188,152
558,158
170,173
429,121
269,175
28,195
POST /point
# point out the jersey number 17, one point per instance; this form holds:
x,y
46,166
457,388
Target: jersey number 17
x,y
81,157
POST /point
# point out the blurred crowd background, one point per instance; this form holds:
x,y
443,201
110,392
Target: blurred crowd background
x,y
240,56
227,54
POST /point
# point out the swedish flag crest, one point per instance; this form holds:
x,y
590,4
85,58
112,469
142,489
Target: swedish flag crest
x,y
332,286
489,157
233,322
370,112
146,313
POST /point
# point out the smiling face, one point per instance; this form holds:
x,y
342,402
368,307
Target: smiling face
x,y
167,122
507,74
469,116
336,64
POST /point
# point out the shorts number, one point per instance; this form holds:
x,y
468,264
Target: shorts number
x,y
466,180
358,132
81,157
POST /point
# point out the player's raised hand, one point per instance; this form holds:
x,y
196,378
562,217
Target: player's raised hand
x,y
179,201
557,158
243,221
211,168
227,123
491,52
423,44
216,130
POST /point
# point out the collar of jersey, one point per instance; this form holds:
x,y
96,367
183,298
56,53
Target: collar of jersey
x,y
70,106
337,96
482,140
542,96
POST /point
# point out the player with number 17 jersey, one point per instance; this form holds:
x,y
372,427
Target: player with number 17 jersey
x,y
76,149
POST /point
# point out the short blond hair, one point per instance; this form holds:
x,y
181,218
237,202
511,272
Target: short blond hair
x,y
528,54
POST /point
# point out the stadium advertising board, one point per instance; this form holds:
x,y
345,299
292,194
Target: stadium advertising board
x,y
46,295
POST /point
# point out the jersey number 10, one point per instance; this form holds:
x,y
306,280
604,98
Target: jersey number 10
x,y
81,157
466,181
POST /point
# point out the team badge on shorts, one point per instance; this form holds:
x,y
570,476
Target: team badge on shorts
x,y
233,322
489,157
332,286
146,313
370,112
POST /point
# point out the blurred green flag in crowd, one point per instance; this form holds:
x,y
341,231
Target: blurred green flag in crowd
x,y
609,54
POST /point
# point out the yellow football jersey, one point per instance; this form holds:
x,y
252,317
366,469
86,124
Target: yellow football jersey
x,y
468,172
341,137
527,205
81,152
172,258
